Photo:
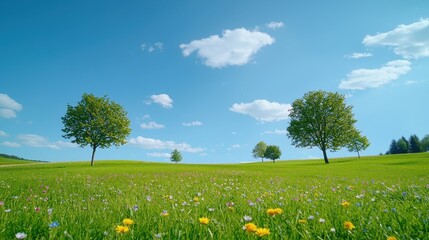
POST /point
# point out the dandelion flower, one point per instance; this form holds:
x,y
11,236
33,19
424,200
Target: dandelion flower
x,y
349,225
204,220
391,238
20,235
196,199
345,204
260,232
250,227
128,221
275,211
122,229
302,221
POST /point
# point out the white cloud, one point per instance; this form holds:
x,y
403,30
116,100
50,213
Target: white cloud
x,y
162,99
234,147
358,55
263,110
408,41
192,124
3,134
160,155
234,47
276,132
8,106
158,46
150,143
33,140
151,125
11,144
372,78
274,25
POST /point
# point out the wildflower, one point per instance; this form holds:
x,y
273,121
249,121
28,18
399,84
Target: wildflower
x,y
345,204
196,199
230,204
135,207
128,221
122,229
333,230
249,227
311,217
20,235
204,220
322,220
50,211
247,218
391,238
211,209
1,203
158,235
37,209
302,221
262,232
349,225
275,211
164,213
148,198
54,224
7,210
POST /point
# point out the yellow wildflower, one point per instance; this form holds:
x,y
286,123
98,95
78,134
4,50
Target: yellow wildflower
x,y
262,232
196,199
275,211
128,221
122,229
345,204
204,220
349,225
391,238
250,227
302,221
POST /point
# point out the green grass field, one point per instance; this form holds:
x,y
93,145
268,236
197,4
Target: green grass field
x,y
380,196
9,161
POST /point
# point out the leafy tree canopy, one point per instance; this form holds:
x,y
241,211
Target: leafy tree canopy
x,y
259,150
321,119
97,122
176,156
273,152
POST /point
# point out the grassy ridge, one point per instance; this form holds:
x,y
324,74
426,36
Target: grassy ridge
x,y
9,161
387,196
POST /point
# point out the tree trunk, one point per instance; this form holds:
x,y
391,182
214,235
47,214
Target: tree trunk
x,y
262,159
93,154
325,156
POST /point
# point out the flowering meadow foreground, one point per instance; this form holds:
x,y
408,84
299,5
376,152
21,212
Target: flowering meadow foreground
x,y
383,197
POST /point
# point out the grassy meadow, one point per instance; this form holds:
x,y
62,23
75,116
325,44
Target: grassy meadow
x,y
380,197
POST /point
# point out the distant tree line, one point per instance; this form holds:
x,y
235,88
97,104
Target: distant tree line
x,y
411,145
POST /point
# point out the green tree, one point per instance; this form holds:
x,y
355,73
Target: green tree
x,y
402,145
321,119
259,150
414,144
273,152
425,143
358,143
97,122
176,156
393,149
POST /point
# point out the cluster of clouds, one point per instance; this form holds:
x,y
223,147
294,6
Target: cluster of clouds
x,y
8,106
411,42
34,140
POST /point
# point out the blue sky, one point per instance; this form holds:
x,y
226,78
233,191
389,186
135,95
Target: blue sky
x,y
210,78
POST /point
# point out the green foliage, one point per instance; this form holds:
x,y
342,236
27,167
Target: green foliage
x,y
97,122
321,119
393,149
176,156
259,150
273,152
425,143
414,144
358,143
388,196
